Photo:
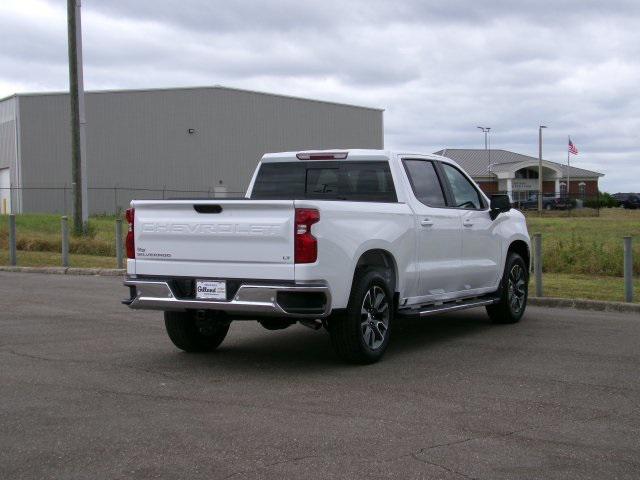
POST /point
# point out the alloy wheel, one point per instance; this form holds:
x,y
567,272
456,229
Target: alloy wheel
x,y
517,288
374,317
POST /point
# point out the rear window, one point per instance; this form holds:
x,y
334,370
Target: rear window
x,y
325,180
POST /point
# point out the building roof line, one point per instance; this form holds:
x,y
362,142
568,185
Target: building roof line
x,y
13,95
199,87
475,161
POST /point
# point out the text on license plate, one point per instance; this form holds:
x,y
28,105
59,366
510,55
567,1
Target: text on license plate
x,y
211,289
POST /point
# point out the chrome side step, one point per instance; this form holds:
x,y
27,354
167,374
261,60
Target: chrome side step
x,y
445,307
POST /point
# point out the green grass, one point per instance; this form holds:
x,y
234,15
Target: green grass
x,y
587,245
584,286
53,259
41,233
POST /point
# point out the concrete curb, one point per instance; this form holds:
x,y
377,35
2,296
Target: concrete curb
x,y
580,304
106,272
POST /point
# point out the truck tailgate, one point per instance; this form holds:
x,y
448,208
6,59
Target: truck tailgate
x,y
215,238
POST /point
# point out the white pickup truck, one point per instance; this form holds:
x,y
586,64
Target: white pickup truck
x,y
350,240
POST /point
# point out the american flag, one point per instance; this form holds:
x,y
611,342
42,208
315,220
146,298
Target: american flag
x,y
572,148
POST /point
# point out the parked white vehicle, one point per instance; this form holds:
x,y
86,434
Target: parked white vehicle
x,y
349,240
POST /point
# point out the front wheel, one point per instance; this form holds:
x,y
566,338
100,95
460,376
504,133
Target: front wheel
x,y
193,333
361,334
514,292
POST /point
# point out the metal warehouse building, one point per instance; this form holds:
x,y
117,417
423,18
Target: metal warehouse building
x,y
180,142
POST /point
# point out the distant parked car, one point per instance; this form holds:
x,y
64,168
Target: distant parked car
x,y
631,202
548,203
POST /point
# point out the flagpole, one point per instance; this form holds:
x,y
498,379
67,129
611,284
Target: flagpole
x,y
568,174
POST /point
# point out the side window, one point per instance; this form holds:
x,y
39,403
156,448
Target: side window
x,y
425,183
464,193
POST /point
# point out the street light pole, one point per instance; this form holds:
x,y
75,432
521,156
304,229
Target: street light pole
x,y
485,130
540,167
487,144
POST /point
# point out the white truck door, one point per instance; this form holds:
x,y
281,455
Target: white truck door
x,y
438,232
481,246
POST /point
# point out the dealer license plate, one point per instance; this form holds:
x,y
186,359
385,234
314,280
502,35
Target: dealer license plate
x,y
211,289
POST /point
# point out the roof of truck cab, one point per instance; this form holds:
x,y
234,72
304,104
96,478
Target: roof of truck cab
x,y
352,154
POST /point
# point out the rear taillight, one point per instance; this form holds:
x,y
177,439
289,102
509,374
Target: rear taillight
x,y
130,242
306,245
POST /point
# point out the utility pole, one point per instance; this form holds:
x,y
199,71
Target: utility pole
x,y
78,120
540,167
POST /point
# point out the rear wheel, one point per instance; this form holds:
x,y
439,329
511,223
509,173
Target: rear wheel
x,y
195,333
514,292
361,334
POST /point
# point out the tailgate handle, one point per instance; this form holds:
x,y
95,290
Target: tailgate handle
x,y
207,208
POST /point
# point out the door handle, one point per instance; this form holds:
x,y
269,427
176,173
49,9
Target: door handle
x,y
467,223
426,222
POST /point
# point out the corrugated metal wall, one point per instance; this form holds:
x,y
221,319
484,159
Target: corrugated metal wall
x,y
8,153
7,133
140,139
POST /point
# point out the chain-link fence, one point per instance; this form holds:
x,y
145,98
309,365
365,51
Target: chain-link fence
x,y
110,200
102,200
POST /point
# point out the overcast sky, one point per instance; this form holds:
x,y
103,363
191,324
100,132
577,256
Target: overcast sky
x,y
438,68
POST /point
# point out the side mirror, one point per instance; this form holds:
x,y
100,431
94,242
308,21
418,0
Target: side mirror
x,y
499,204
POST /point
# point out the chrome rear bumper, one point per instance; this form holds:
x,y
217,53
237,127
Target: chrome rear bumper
x,y
153,294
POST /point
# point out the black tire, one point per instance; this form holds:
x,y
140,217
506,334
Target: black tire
x,y
359,337
193,334
514,289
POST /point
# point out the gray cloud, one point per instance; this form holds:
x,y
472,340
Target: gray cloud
x,y
438,68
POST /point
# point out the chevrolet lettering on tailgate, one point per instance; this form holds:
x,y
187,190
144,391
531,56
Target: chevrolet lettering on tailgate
x,y
212,228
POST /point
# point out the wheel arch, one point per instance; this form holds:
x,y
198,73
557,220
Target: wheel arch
x,y
380,258
521,248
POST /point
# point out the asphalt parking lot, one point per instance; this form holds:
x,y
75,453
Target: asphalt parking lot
x,y
89,389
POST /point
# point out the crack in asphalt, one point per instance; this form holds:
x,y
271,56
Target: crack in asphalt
x,y
306,457
480,437
269,465
95,362
450,470
37,357
577,384
416,456
234,403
